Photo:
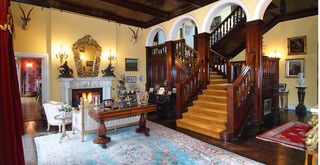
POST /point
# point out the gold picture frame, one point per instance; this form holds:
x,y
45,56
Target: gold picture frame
x,y
297,45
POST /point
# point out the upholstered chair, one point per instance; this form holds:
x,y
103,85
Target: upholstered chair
x,y
51,109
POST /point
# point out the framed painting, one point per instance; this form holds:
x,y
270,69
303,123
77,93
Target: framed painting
x,y
131,64
297,45
293,67
131,79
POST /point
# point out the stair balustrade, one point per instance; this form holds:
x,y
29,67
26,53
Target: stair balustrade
x,y
187,89
219,63
236,17
159,50
239,101
185,53
236,67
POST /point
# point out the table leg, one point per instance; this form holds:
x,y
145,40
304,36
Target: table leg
x,y
142,126
102,138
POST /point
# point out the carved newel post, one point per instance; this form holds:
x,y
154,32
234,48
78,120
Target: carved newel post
x,y
301,108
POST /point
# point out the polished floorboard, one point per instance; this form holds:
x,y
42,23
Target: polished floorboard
x,y
31,109
250,147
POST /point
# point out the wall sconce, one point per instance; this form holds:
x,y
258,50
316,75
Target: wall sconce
x,y
112,58
275,54
29,64
61,54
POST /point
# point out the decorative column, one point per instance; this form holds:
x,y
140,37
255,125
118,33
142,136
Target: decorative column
x,y
203,40
254,59
301,108
170,63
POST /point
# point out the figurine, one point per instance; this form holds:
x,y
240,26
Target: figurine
x,y
108,71
65,70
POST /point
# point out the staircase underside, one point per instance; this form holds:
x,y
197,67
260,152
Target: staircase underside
x,y
208,114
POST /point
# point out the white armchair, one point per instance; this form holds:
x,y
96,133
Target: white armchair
x,y
82,122
51,109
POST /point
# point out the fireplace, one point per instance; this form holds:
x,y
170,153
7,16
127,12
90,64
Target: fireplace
x,y
88,94
68,85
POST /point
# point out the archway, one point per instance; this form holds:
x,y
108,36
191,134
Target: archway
x,y
217,8
261,9
156,30
178,23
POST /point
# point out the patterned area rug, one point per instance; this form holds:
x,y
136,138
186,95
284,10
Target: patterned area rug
x,y
163,146
291,134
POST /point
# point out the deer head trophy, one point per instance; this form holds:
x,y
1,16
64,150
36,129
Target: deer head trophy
x,y
134,36
25,19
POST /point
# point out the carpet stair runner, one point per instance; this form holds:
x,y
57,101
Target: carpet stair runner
x,y
208,114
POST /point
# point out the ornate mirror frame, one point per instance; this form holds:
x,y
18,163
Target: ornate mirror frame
x,y
86,40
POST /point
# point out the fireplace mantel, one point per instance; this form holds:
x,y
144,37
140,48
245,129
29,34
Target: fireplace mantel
x,y
67,84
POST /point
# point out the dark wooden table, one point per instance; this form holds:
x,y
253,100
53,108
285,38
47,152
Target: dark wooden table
x,y
118,113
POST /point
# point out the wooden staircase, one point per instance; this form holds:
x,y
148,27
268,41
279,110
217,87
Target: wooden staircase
x,y
208,114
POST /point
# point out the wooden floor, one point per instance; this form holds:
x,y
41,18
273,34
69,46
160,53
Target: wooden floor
x,y
261,151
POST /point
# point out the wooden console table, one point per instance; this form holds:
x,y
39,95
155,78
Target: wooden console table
x,y
118,113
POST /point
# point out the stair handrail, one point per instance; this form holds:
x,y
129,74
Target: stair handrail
x,y
185,53
239,93
187,89
236,68
236,16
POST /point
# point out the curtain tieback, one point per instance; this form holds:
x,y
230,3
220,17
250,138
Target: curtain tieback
x,y
4,27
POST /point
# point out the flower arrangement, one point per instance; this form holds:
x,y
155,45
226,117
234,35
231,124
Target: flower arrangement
x,y
66,108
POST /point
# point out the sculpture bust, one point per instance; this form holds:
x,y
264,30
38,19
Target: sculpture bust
x,y
301,80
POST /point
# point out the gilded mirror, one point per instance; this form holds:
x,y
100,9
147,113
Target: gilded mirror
x,y
87,54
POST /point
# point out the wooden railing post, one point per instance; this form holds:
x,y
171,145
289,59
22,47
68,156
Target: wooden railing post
x,y
254,58
170,63
203,52
148,57
229,72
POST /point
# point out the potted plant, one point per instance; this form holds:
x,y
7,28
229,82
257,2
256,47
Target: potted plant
x,y
66,108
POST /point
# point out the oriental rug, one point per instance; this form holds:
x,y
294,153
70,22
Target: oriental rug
x,y
291,134
163,146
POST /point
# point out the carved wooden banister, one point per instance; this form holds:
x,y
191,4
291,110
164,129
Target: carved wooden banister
x,y
236,17
238,100
187,90
159,50
235,69
219,63
185,53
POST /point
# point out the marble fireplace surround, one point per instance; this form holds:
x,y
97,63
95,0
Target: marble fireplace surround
x,y
67,84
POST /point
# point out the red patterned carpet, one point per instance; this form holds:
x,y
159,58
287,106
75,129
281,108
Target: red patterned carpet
x,y
291,134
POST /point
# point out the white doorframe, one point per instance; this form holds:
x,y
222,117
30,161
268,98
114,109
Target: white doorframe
x,y
45,74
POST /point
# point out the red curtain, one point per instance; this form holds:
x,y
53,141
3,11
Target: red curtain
x,y
11,124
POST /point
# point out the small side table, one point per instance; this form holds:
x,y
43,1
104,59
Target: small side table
x,y
283,99
63,117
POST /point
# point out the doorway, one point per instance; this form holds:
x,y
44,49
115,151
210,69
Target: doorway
x,y
32,75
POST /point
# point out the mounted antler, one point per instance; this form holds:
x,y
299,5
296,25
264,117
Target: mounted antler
x,y
25,19
134,37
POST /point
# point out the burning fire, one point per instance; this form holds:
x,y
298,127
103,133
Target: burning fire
x,y
87,97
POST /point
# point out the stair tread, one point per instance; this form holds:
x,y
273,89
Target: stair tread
x,y
196,110
213,96
199,115
211,102
201,125
222,84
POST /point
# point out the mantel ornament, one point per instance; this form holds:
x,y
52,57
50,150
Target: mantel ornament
x,y
65,71
87,54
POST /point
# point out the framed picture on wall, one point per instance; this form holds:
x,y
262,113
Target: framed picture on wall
x,y
293,67
297,45
131,64
131,79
